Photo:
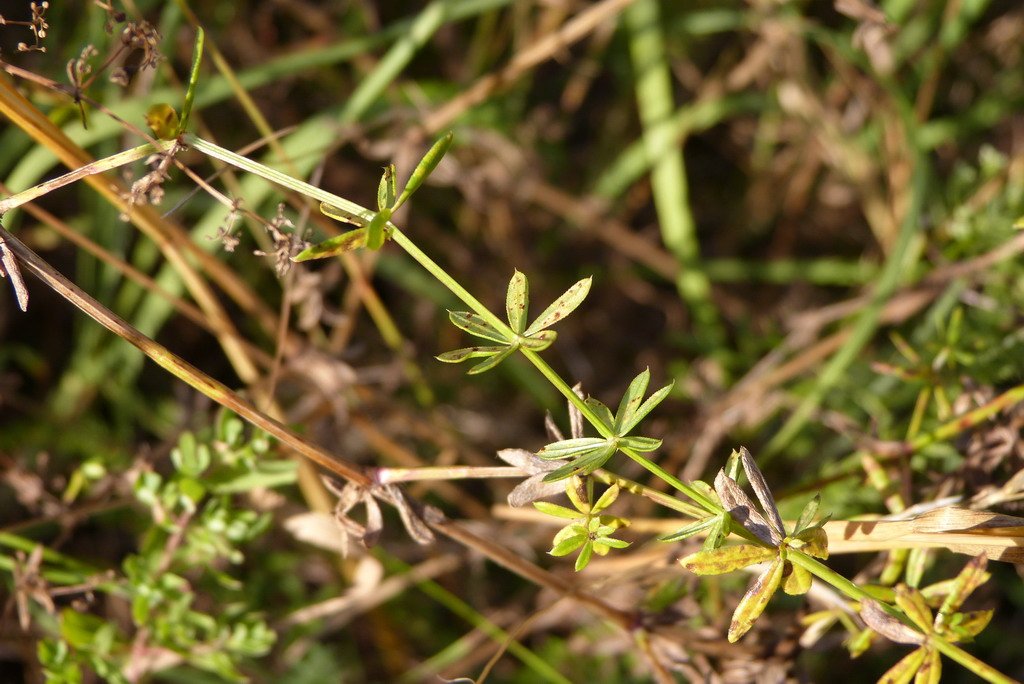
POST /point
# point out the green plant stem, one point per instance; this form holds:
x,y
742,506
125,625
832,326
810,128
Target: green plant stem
x,y
668,173
563,387
442,276
978,667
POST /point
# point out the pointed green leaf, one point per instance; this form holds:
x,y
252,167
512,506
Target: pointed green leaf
x,y
911,602
386,190
755,600
346,242
798,582
607,499
567,448
646,408
548,508
344,215
517,302
584,465
466,353
732,466
538,342
718,532
726,559
426,166
561,307
584,558
567,546
632,399
611,542
375,230
859,642
602,411
903,671
490,363
570,530
807,515
696,527
476,325
643,444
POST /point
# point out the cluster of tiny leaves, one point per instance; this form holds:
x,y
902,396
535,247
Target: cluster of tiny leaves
x,y
589,532
194,530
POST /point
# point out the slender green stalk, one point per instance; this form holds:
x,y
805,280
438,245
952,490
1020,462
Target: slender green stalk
x,y
668,173
978,667
193,80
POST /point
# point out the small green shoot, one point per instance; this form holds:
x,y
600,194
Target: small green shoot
x,y
589,532
374,232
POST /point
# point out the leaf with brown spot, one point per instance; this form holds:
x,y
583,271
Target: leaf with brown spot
x,y
561,307
970,578
346,242
517,302
930,671
903,671
912,602
966,626
755,600
742,509
475,325
761,490
726,559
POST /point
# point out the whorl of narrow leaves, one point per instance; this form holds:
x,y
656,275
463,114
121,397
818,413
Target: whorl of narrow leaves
x,y
587,454
535,338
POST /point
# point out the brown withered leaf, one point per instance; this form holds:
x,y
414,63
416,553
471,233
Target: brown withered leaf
x,y
742,509
764,495
876,618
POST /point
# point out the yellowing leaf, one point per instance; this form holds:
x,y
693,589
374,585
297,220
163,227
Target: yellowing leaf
x,y
912,602
930,671
903,671
726,559
798,582
755,600
346,242
163,121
